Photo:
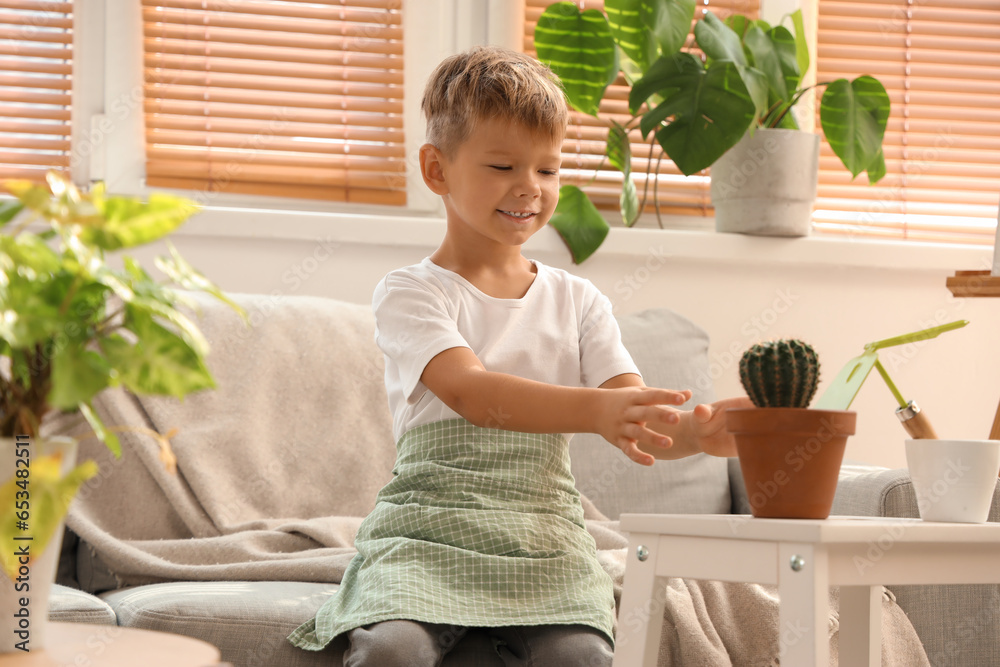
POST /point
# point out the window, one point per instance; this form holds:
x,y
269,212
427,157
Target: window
x,y
940,62
583,151
276,98
36,67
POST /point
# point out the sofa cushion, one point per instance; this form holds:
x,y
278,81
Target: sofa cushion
x,y
247,621
671,352
69,605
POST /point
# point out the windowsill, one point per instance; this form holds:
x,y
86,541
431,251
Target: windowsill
x,y
708,245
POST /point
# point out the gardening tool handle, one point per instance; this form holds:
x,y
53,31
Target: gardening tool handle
x,y
915,422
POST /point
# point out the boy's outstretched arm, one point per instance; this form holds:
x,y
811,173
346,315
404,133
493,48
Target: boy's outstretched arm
x,y
702,429
498,400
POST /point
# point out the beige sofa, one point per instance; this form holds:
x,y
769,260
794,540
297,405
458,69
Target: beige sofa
x,y
249,620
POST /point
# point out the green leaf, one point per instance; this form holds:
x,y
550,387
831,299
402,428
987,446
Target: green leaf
x,y
876,170
9,211
185,275
631,71
129,222
78,375
33,196
801,45
30,291
579,223
671,22
653,119
667,76
60,204
579,48
711,109
629,28
718,41
51,495
101,432
617,148
766,60
644,29
160,362
28,255
785,48
756,83
741,24
628,202
187,329
854,116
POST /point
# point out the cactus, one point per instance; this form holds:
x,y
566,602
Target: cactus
x,y
780,374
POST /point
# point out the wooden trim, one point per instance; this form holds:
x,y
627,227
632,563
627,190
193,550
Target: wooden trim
x,y
973,284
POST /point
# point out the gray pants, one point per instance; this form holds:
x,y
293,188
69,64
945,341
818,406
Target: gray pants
x,y
412,644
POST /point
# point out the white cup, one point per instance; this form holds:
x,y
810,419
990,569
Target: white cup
x,y
953,479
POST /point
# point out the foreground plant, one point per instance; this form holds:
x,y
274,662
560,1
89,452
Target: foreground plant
x,y
73,325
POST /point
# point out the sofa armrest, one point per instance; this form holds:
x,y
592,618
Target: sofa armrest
x,y
866,490
958,625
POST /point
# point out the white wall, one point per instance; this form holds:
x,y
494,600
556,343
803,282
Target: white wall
x,y
837,295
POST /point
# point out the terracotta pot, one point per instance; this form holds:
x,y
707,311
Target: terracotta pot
x,y
790,458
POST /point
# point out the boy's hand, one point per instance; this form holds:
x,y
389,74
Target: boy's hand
x,y
708,426
626,412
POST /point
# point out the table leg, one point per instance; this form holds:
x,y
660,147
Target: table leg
x,y
640,614
804,613
860,640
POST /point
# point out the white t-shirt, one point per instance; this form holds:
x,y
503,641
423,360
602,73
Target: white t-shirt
x,y
561,332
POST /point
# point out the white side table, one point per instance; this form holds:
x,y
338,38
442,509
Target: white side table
x,y
803,558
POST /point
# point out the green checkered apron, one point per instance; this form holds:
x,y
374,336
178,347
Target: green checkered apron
x,y
480,528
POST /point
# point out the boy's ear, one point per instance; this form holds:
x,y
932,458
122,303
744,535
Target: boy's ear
x,y
432,169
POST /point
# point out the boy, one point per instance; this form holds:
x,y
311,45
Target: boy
x,y
490,359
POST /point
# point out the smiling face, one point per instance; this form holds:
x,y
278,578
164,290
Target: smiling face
x,y
500,185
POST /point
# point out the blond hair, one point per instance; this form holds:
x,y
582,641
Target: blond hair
x,y
491,83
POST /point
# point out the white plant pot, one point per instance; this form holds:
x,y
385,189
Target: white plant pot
x,y
24,602
953,480
766,183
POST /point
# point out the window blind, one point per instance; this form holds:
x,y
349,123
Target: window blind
x,y
279,98
36,66
583,150
940,62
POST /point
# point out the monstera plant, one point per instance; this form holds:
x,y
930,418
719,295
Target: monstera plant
x,y
696,103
